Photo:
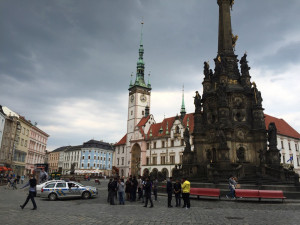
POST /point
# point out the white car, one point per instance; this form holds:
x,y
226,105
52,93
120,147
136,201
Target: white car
x,y
40,186
69,189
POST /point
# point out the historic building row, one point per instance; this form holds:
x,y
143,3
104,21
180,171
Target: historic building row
x,y
22,143
93,157
149,146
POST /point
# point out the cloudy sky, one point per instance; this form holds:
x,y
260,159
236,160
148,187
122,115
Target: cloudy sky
x,y
66,64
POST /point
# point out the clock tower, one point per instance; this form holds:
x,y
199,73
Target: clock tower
x,y
139,98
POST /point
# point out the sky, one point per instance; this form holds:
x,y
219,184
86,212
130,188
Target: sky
x,y
66,64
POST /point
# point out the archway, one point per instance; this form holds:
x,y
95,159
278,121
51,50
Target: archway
x,y
165,172
146,172
135,160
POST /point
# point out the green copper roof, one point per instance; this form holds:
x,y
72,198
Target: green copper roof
x,y
140,68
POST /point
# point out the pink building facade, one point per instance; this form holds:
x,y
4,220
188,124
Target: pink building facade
x,y
37,148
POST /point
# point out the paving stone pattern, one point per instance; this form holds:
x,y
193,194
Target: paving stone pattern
x,y
98,211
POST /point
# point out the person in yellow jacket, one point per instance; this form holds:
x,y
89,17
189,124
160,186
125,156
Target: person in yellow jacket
x,y
186,187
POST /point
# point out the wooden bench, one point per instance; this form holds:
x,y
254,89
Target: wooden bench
x,y
271,194
268,194
247,193
210,192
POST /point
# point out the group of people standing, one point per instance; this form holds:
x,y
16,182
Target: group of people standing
x,y
180,190
143,186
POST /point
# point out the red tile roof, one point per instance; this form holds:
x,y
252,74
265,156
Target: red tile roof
x,y
122,141
283,127
155,128
143,121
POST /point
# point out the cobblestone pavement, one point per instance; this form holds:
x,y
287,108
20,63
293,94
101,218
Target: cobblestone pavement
x,y
97,211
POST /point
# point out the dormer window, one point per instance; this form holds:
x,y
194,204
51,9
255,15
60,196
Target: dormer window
x,y
177,130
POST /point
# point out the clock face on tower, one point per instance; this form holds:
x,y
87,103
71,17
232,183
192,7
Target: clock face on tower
x,y
143,98
131,98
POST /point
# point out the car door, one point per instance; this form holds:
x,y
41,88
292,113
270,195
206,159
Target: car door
x,y
74,189
61,190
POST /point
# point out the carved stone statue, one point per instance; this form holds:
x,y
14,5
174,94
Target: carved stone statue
x,y
234,40
206,70
222,95
186,136
231,3
223,64
222,139
259,98
197,102
272,136
208,155
261,156
244,65
240,153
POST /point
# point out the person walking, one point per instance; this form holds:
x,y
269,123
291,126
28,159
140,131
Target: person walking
x,y
170,192
186,187
32,192
147,187
232,185
155,185
177,191
121,191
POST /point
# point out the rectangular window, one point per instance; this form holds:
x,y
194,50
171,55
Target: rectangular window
x,y
283,158
98,165
154,160
98,157
163,160
117,161
298,161
88,165
296,147
143,113
123,150
182,142
94,157
83,157
25,143
289,146
162,144
172,143
180,158
148,145
89,157
94,164
154,145
172,159
122,160
118,151
282,145
147,161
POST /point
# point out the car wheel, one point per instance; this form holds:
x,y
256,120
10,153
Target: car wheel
x,y
52,197
86,195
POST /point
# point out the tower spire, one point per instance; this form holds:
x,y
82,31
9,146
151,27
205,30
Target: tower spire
x,y
182,111
140,68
